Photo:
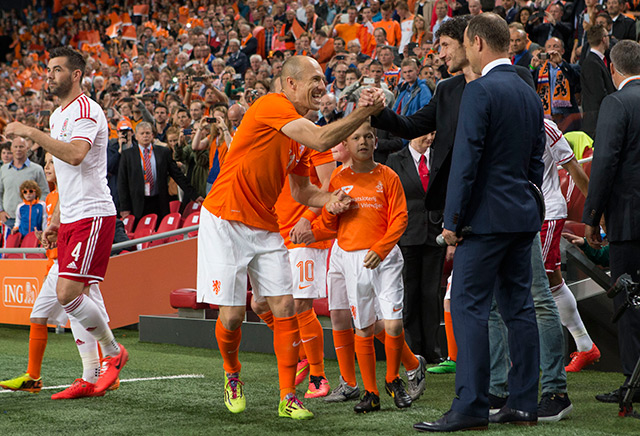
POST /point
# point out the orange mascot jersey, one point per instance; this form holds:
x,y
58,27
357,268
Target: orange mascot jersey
x,y
257,164
51,202
377,218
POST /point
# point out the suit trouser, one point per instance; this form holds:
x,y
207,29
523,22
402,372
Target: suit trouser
x,y
553,378
624,257
422,303
484,265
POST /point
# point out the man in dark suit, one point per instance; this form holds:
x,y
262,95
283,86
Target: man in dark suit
x,y
595,79
489,195
623,26
614,191
143,177
423,257
540,31
518,48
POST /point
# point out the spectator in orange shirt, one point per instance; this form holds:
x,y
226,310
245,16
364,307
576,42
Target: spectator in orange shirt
x,y
347,31
392,27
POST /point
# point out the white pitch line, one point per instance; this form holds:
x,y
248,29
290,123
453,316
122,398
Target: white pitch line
x,y
166,377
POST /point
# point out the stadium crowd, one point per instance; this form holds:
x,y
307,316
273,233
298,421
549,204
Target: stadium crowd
x,y
180,77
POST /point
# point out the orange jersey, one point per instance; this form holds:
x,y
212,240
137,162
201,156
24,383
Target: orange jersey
x,y
51,201
379,216
347,31
289,211
257,164
392,27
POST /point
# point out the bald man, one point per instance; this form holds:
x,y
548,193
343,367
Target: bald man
x,y
235,115
239,233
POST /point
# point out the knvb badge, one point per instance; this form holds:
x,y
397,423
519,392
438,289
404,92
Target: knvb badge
x,y
20,292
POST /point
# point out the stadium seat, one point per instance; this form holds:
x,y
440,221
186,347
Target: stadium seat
x,y
168,223
321,306
185,300
13,241
192,220
574,227
128,225
192,207
147,222
31,241
174,206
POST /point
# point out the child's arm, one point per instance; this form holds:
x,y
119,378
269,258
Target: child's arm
x,y
44,216
16,226
397,219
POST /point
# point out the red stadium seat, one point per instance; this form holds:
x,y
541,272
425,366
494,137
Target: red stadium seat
x,y
13,241
192,220
574,227
128,225
174,206
321,306
169,222
147,222
191,208
185,298
31,241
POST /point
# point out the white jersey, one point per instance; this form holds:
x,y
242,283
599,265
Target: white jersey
x,y
406,29
83,188
557,152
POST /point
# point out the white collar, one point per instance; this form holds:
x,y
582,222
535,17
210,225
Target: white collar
x,y
600,55
416,156
627,80
491,65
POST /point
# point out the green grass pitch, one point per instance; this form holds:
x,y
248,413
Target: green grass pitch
x,y
194,406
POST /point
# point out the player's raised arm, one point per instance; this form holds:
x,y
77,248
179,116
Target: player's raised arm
x,y
304,85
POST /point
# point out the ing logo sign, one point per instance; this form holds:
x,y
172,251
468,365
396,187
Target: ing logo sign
x,y
20,292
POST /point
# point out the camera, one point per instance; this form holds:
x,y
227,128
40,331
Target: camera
x,y
198,79
209,120
187,132
543,56
45,113
368,81
632,291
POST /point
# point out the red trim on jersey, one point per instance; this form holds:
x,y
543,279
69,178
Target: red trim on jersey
x,y
87,107
567,159
86,118
83,138
77,97
553,134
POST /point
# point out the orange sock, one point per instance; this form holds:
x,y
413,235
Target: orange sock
x,y
343,340
367,362
409,360
37,344
452,346
393,347
229,345
312,340
286,341
267,317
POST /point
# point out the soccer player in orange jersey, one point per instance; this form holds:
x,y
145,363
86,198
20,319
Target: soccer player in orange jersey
x,y
367,262
239,232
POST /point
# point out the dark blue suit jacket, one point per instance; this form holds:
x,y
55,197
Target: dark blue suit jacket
x,y
498,149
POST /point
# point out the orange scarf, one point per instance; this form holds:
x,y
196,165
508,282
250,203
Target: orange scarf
x,y
561,91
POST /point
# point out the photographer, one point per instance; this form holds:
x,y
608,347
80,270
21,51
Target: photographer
x,y
540,31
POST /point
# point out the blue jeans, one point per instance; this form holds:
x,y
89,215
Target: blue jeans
x,y
553,378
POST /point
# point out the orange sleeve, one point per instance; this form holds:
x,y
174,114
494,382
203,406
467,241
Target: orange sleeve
x,y
326,225
396,215
303,166
280,113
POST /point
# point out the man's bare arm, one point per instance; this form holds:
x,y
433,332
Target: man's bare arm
x,y
72,152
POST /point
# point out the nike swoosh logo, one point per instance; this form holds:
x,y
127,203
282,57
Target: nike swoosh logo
x,y
303,287
309,339
295,344
397,310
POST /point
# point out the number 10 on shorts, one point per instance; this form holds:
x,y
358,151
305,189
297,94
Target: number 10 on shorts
x,y
305,269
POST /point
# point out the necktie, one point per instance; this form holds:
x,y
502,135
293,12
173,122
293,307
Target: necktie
x,y
148,171
423,171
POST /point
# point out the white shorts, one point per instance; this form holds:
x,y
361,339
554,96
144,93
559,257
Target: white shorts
x,y
47,305
228,251
309,272
368,291
447,295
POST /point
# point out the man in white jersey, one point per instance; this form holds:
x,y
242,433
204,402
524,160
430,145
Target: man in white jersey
x,y
559,152
83,222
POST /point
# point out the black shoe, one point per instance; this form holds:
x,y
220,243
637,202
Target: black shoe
x,y
614,397
453,421
507,415
370,403
496,403
399,394
553,407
